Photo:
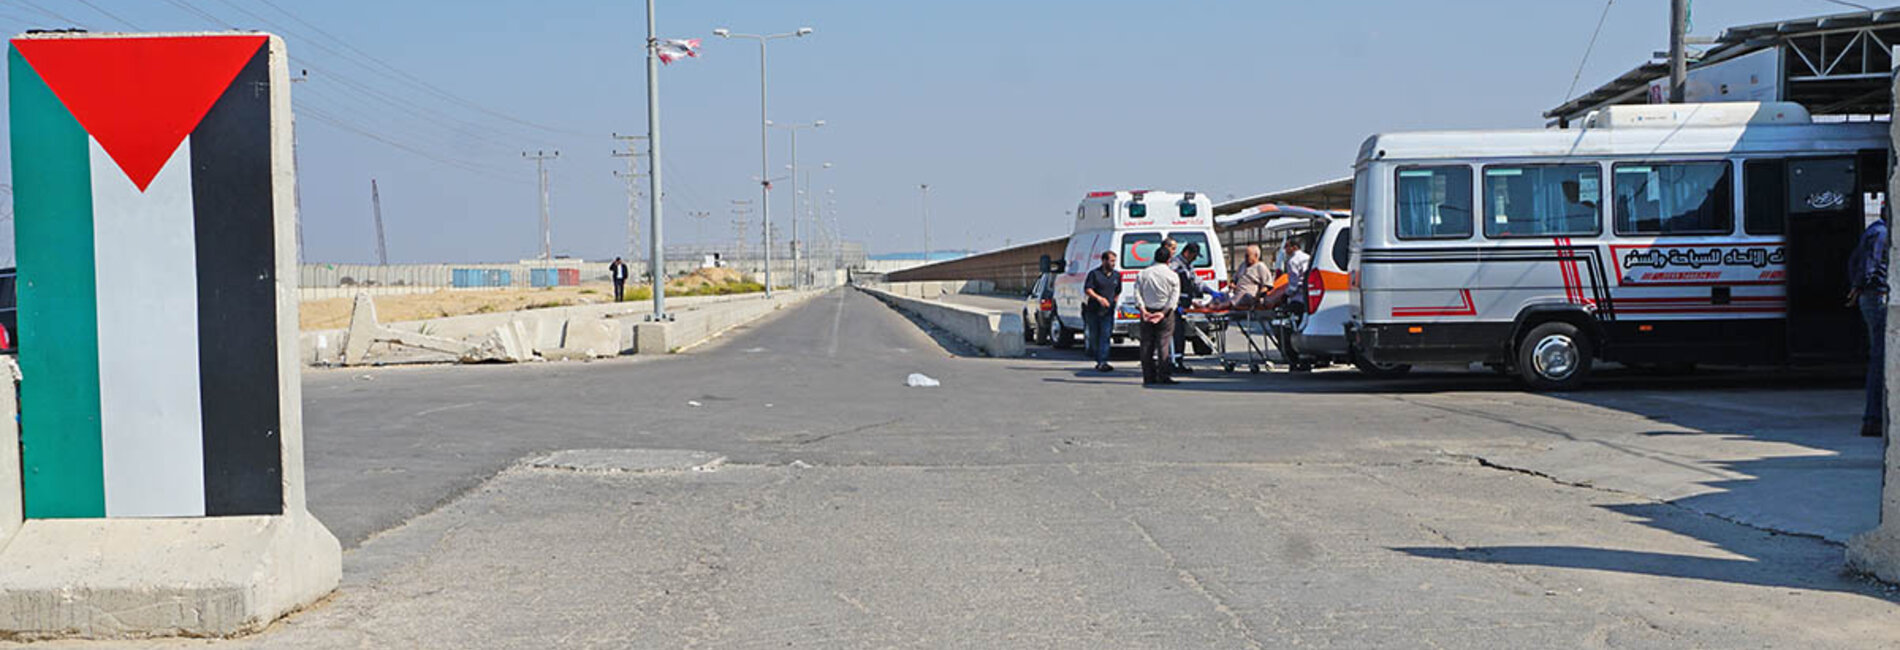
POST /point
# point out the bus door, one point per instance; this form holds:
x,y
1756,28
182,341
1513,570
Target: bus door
x,y
1824,222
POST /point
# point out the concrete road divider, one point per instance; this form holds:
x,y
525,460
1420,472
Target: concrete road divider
x,y
579,332
997,334
694,326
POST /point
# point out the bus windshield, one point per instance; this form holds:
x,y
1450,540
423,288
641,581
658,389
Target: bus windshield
x,y
1138,248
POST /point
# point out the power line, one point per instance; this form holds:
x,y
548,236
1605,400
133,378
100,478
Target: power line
x,y
334,121
114,17
29,4
1586,50
1859,6
194,10
398,73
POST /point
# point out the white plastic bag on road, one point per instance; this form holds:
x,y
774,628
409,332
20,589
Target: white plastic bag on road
x,y
919,380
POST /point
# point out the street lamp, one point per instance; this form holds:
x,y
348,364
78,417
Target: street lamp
x,y
797,279
765,167
925,203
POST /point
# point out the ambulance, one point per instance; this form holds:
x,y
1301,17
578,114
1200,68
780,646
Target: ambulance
x,y
1133,224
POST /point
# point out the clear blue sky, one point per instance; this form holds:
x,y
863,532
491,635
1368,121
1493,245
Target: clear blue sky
x,y
1009,109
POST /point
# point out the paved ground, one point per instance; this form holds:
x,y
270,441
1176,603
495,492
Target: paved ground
x,y
1029,502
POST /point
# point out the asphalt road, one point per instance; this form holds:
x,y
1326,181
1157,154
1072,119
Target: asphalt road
x,y
1031,502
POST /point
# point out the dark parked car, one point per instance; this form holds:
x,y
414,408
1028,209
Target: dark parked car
x,y
1039,310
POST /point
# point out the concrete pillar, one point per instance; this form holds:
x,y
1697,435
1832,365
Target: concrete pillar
x,y
149,491
1878,551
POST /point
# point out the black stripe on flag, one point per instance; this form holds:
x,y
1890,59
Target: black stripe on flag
x,y
237,298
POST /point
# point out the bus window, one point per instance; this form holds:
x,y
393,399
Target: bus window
x,y
1674,199
1542,200
1765,197
1138,248
1434,202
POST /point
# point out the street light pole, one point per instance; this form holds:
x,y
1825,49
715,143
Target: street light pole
x,y
794,128
765,165
925,202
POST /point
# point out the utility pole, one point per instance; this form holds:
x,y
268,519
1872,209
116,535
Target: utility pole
x,y
657,261
1678,55
699,227
632,178
742,217
540,159
376,206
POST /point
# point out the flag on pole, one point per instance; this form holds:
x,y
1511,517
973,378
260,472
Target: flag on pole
x,y
673,49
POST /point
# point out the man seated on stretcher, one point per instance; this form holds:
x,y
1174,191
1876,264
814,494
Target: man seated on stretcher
x,y
1253,282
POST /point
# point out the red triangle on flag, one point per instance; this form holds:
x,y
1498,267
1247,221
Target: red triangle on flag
x,y
139,96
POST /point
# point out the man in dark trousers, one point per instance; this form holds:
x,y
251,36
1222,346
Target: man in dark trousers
x,y
1100,293
1867,274
1157,294
618,269
1190,291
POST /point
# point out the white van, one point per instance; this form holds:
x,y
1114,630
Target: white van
x,y
1133,224
1653,235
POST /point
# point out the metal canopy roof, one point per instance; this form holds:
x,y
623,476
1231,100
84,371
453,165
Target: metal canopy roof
x,y
1833,64
1330,195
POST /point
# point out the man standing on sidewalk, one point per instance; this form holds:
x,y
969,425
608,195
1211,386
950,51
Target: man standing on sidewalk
x,y
1867,274
618,269
1158,292
1101,292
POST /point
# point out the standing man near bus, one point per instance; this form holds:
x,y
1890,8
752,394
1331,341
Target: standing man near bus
x,y
1101,291
1190,291
1867,274
618,269
1158,294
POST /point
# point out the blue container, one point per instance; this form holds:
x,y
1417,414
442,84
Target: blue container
x,y
544,277
464,278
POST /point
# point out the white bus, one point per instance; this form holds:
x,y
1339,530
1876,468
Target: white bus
x,y
1652,235
1133,224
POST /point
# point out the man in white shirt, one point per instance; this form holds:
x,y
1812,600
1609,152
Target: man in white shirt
x,y
1158,294
1293,266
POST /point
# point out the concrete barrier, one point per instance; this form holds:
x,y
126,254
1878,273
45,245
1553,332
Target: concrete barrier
x,y
544,329
691,327
12,510
1878,551
997,334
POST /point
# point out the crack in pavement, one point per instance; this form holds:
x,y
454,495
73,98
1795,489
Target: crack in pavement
x,y
1490,464
834,434
1624,449
1194,584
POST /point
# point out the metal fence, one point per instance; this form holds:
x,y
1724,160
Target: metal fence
x,y
820,265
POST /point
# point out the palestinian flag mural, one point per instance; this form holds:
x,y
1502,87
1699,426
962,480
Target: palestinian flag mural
x,y
144,223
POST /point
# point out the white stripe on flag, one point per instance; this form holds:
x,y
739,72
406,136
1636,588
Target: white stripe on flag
x,y
149,410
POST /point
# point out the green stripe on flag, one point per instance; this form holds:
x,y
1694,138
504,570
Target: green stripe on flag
x,y
60,445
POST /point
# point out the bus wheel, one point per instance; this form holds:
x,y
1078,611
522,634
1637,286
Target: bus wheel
x,y
1553,356
1059,336
1377,370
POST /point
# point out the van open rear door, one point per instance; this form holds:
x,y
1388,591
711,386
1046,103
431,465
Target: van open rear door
x,y
1825,218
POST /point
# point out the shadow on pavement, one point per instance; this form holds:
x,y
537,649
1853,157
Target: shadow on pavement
x,y
1739,571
